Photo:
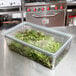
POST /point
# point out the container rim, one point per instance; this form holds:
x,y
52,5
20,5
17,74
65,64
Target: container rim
x,y
6,34
36,26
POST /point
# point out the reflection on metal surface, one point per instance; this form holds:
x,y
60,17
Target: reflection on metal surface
x,y
4,58
4,51
4,47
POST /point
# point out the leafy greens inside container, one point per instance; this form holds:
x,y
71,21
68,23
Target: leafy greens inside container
x,y
39,39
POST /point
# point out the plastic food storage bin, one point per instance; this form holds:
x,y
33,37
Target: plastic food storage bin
x,y
38,54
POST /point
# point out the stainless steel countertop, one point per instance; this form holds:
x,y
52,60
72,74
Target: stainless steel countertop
x,y
12,64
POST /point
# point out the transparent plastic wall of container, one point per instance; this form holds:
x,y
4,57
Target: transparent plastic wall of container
x,y
35,50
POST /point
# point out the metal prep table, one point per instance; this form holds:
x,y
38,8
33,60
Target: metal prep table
x,y
12,64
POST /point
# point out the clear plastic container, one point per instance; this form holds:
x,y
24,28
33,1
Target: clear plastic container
x,y
38,54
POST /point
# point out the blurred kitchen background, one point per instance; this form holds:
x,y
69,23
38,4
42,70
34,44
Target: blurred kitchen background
x,y
49,13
